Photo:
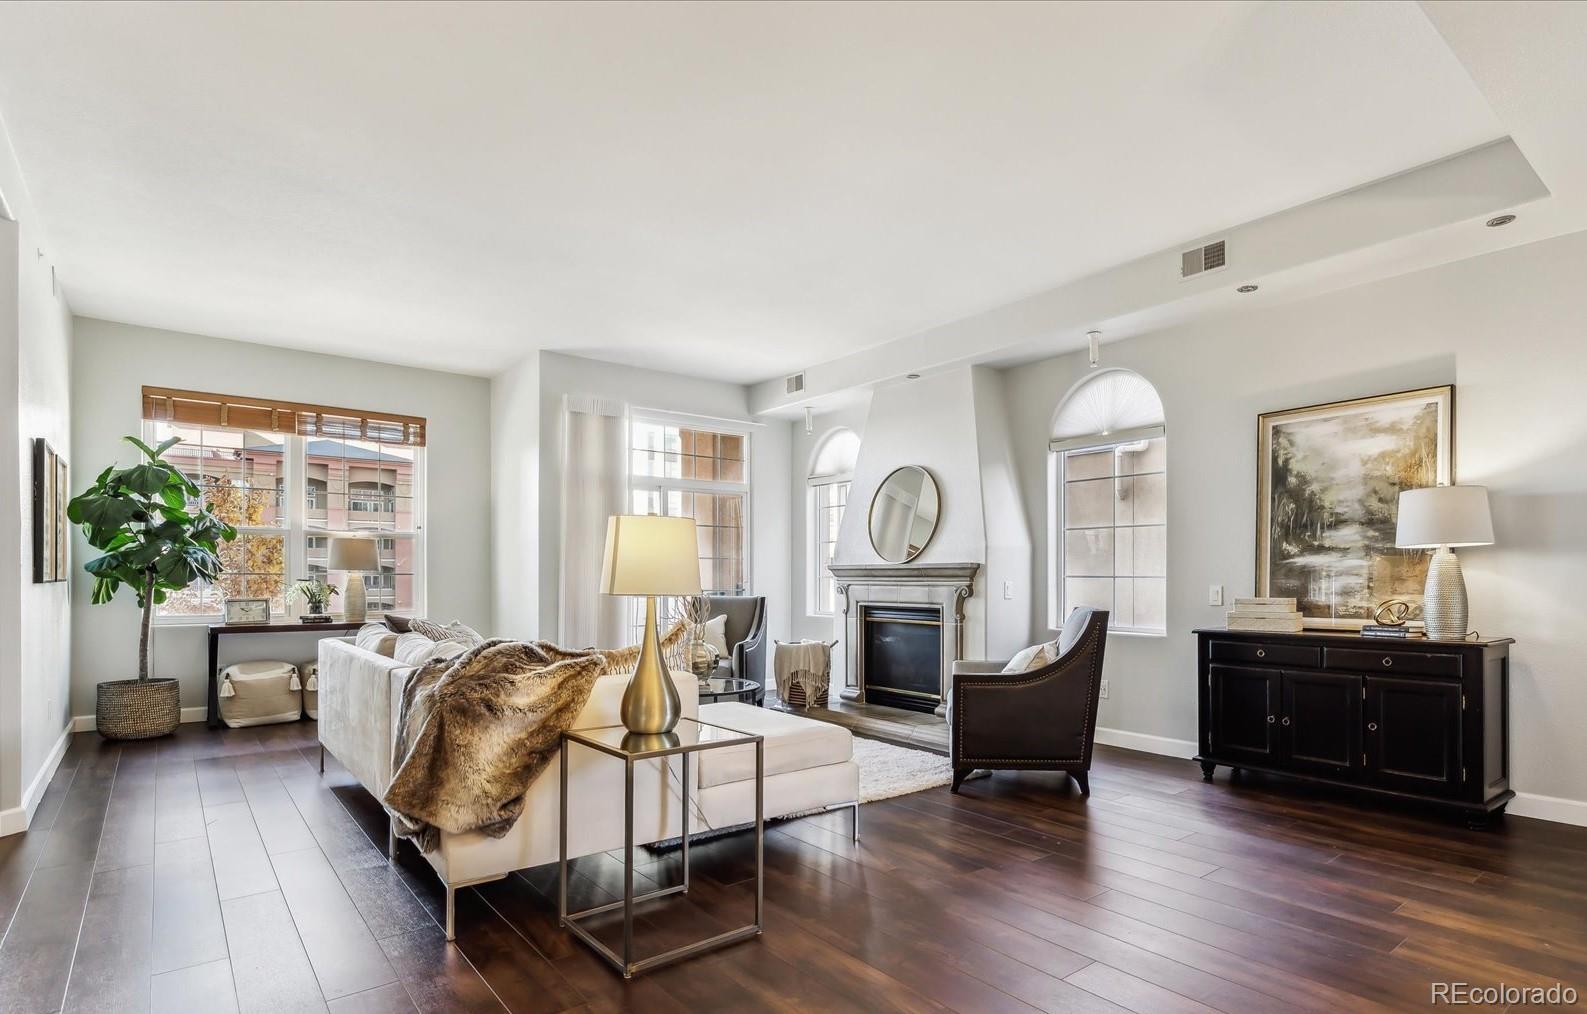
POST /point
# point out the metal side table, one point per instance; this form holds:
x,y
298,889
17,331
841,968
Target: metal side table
x,y
688,738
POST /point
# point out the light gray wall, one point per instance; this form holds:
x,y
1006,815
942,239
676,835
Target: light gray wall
x,y
562,375
110,364
515,499
1505,328
35,347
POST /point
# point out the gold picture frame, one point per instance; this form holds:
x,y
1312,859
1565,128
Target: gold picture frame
x,y
1328,484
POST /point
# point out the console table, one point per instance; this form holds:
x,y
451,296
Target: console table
x,y
218,630
1415,719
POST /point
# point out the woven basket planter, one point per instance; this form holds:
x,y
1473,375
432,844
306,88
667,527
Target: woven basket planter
x,y
138,709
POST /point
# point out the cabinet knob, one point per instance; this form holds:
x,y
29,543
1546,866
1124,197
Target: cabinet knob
x,y
1372,727
1261,653
1387,661
1286,720
1271,719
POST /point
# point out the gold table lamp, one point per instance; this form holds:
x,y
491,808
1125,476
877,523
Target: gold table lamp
x,y
650,556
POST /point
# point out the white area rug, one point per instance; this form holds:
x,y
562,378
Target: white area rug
x,y
887,770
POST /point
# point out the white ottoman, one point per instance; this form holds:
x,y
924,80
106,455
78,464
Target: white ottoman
x,y
809,768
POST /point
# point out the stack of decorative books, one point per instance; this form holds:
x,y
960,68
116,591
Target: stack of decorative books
x,y
1264,614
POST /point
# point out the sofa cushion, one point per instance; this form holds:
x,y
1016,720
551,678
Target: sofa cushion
x,y
792,743
377,638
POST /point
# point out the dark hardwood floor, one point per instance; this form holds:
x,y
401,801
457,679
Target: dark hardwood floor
x,y
220,871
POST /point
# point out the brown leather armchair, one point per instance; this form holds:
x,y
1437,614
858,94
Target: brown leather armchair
x,y
1042,720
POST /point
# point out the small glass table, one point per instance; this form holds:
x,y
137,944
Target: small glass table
x,y
728,688
688,738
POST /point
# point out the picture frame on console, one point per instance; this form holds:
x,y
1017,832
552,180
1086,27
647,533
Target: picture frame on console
x,y
1328,484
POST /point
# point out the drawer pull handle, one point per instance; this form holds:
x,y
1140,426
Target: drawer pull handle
x,y
1286,720
1261,653
1271,719
1387,662
1372,727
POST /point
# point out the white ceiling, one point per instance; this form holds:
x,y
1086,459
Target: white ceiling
x,y
723,190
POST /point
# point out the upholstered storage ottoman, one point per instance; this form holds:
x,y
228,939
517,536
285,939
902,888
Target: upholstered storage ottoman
x,y
809,767
260,693
310,673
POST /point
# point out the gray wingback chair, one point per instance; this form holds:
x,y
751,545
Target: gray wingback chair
x,y
745,635
1042,720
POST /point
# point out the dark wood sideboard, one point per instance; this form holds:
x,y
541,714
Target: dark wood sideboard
x,y
1412,719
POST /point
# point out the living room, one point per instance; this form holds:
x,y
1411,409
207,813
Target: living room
x,y
1108,479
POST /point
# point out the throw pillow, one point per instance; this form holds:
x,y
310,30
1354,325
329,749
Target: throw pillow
x,y
714,633
454,631
397,624
415,649
1034,657
376,638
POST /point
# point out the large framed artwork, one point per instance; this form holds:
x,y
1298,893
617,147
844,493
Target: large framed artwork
x,y
51,491
1328,484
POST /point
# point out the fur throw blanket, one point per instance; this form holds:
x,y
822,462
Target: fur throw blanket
x,y
474,732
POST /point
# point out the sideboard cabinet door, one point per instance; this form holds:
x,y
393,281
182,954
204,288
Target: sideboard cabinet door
x,y
1413,735
1321,724
1244,706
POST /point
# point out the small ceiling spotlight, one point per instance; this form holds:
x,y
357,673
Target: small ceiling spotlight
x,y
1498,220
1094,345
911,376
1247,287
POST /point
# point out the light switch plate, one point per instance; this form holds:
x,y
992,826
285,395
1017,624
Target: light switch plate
x,y
1008,589
1103,692
1214,594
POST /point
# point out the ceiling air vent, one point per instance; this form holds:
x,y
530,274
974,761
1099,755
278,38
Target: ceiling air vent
x,y
796,383
1203,259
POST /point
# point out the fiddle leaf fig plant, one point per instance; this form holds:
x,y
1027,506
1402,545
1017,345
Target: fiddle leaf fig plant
x,y
153,538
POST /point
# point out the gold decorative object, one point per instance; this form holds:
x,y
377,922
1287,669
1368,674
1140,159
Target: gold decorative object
x,y
1393,613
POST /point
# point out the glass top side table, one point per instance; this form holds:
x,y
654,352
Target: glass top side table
x,y
727,688
688,738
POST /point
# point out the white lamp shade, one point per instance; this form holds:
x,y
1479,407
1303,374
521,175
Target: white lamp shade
x,y
353,554
647,555
1444,516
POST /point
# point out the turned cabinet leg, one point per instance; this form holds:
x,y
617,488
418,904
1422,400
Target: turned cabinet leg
x,y
1207,767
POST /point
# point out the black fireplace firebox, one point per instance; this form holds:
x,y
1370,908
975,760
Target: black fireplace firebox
x,y
902,656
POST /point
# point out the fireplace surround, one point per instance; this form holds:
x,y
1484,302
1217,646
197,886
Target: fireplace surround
x,y
903,591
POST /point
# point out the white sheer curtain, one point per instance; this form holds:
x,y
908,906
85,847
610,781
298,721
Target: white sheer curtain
x,y
594,487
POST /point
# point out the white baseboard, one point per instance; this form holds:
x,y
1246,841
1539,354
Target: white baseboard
x,y
17,818
1525,804
86,723
1561,811
1182,748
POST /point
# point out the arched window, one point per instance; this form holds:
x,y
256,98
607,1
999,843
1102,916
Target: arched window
x,y
831,470
1108,519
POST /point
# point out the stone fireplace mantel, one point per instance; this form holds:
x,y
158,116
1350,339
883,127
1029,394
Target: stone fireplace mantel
x,y
945,586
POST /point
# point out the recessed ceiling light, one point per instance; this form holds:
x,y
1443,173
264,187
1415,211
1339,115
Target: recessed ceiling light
x,y
1498,220
911,376
1247,287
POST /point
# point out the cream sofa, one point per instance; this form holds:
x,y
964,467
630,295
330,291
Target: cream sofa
x,y
809,766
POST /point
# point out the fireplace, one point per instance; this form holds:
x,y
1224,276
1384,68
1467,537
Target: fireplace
x,y
939,593
902,659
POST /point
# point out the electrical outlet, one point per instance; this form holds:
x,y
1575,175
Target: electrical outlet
x,y
1214,594
1103,693
1008,589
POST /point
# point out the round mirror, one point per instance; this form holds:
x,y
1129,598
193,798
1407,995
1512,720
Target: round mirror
x,y
904,514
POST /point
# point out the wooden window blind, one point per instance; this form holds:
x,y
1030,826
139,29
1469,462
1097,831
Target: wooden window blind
x,y
195,408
